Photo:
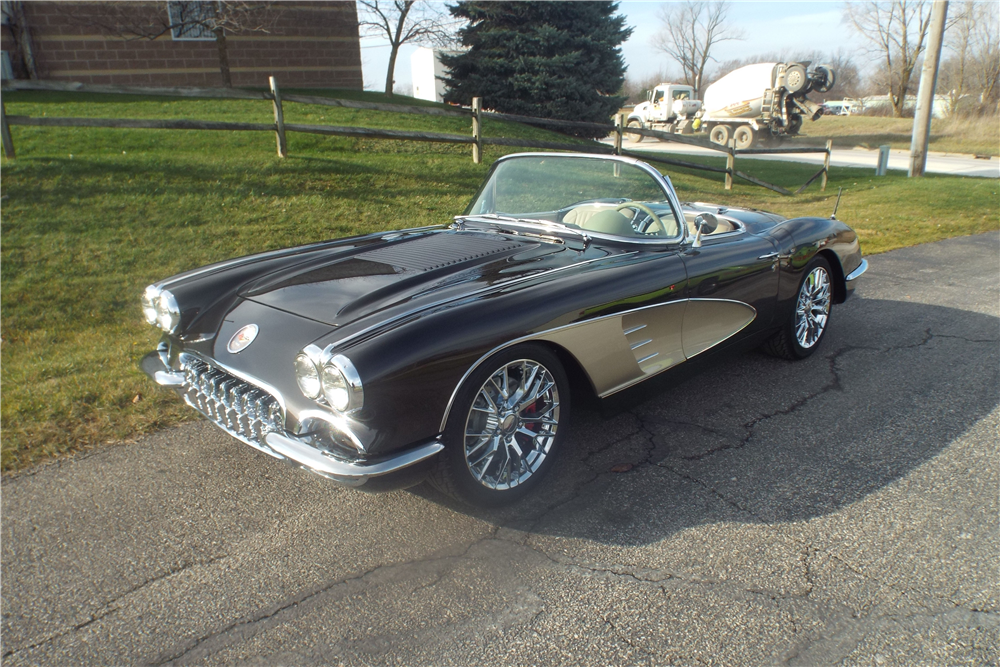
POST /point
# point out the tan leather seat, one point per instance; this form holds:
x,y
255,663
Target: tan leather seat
x,y
609,221
581,214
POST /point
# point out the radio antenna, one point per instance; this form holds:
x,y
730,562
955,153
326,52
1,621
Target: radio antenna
x,y
833,216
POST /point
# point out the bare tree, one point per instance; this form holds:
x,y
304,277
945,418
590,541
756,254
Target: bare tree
x,y
636,90
896,31
690,31
185,19
23,55
953,75
985,56
403,22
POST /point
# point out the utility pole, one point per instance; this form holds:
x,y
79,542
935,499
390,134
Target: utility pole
x,y
925,96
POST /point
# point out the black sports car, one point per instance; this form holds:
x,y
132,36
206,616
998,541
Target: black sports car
x,y
443,352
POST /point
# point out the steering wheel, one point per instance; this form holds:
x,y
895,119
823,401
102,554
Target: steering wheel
x,y
645,209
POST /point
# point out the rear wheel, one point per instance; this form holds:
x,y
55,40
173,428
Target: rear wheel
x,y
744,137
719,134
505,427
801,334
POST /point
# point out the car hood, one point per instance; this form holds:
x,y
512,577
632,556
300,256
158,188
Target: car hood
x,y
407,272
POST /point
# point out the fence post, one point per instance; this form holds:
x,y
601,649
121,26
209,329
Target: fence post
x,y
279,119
730,164
8,143
883,160
477,131
619,122
826,164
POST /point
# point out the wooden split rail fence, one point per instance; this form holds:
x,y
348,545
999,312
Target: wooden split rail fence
x,y
476,140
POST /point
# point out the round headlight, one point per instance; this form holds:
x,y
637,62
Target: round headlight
x,y
335,387
149,298
168,314
307,375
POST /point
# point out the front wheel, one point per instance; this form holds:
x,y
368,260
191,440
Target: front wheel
x,y
505,427
636,138
801,334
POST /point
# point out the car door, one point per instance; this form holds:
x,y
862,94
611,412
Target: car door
x,y
732,288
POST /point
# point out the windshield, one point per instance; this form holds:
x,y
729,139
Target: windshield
x,y
593,194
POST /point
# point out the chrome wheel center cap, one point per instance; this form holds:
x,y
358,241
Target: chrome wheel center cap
x,y
508,424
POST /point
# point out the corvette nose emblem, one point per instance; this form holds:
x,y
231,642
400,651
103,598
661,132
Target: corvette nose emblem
x,y
242,338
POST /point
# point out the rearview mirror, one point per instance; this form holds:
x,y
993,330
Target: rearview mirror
x,y
704,223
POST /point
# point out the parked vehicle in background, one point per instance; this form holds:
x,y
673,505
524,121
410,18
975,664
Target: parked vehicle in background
x,y
760,102
842,107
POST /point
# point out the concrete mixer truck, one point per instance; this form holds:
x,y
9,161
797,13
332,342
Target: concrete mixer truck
x,y
757,103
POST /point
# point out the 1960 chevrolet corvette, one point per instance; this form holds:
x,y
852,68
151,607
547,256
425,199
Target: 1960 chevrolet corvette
x,y
444,352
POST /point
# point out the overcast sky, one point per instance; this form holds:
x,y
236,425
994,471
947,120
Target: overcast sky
x,y
769,26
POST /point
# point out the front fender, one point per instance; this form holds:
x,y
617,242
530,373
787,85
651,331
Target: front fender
x,y
410,370
800,240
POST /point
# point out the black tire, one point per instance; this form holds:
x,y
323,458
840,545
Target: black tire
x,y
485,484
826,78
744,137
636,138
789,341
719,134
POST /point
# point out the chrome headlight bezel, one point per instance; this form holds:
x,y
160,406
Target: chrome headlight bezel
x,y
341,388
346,370
160,309
168,312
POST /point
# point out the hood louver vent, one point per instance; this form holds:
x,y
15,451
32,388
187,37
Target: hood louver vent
x,y
438,251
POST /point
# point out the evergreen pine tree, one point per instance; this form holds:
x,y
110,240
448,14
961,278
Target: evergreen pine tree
x,y
546,59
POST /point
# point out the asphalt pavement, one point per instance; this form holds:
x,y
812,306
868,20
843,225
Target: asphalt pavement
x,y
839,510
899,160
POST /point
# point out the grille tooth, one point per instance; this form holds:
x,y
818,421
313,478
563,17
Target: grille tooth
x,y
235,405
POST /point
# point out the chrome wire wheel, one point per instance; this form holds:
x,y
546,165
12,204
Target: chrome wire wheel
x,y
512,424
813,308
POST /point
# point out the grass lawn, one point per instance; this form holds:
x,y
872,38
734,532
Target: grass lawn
x,y
91,216
977,136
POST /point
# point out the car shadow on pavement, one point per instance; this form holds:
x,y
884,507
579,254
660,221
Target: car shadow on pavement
x,y
748,438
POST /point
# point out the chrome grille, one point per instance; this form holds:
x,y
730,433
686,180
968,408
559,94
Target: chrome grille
x,y
241,408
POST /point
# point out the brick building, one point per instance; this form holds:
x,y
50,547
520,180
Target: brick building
x,y
309,44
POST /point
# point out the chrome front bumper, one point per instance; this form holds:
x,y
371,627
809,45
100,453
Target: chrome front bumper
x,y
350,473
856,273
280,444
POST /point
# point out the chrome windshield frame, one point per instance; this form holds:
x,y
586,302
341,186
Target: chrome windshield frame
x,y
554,227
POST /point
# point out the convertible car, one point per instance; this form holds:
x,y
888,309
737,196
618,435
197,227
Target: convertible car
x,y
444,353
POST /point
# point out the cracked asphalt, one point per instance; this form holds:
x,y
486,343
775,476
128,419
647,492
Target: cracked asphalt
x,y
840,510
